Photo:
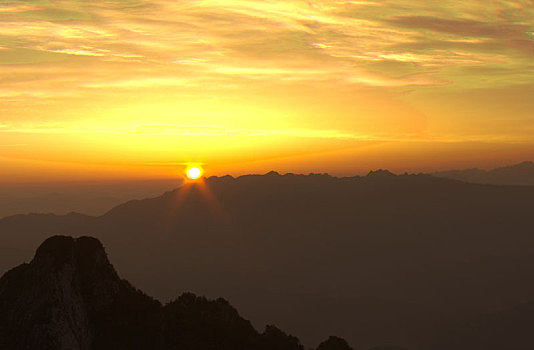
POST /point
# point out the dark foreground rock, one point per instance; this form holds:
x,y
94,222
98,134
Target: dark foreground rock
x,y
69,297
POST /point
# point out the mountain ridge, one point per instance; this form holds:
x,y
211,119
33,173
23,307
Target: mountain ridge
x,y
379,174
91,198
521,174
298,241
82,304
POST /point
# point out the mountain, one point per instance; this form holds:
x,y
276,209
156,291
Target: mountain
x,y
380,259
92,198
334,343
518,174
69,297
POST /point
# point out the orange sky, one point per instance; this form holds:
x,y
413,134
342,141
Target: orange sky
x,y
139,88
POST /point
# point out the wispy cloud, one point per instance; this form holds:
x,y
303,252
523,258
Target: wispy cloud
x,y
261,39
17,7
296,69
230,133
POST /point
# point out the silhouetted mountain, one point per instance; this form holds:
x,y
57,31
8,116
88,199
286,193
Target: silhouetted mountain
x,y
334,343
92,198
274,338
69,297
381,173
196,323
375,259
519,174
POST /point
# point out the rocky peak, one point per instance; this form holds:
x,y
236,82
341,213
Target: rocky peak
x,y
57,251
334,343
381,173
81,264
70,298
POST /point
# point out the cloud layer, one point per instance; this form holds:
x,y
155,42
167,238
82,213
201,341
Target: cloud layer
x,y
361,70
129,44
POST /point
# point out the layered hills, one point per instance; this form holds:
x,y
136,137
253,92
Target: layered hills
x,y
517,174
380,260
69,297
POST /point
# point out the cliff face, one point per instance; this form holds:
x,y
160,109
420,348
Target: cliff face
x,y
69,297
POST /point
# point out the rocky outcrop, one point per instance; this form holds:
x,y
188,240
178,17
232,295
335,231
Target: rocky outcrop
x,y
274,338
334,343
69,297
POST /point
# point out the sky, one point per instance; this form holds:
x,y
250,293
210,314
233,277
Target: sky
x,y
142,88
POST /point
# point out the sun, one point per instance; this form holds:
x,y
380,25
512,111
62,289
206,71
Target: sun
x,y
193,172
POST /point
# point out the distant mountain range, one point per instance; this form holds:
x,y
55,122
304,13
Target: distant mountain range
x,y
97,198
518,174
378,260
92,198
69,297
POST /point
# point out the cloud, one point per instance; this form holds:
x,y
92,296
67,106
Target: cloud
x,y
17,7
252,39
68,54
474,32
210,132
463,27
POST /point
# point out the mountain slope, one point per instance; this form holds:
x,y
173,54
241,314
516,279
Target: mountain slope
x,y
518,174
393,257
69,297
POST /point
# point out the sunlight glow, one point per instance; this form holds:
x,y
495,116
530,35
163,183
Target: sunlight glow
x,y
194,173
142,88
